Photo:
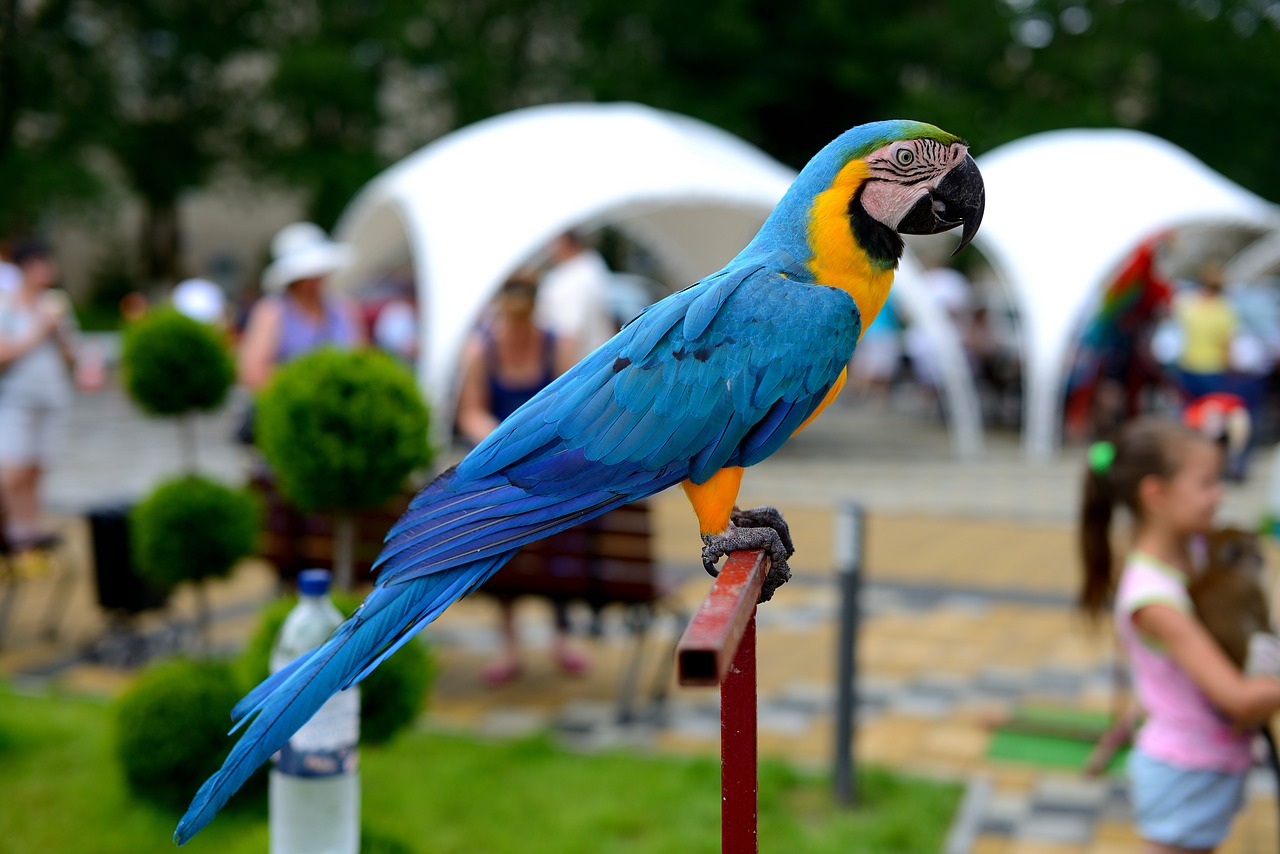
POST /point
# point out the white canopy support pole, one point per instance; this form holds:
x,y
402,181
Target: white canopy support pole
x,y
959,391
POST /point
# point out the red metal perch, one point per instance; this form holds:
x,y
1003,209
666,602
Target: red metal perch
x,y
719,648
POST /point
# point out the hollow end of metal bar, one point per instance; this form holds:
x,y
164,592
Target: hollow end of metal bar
x,y
698,667
709,643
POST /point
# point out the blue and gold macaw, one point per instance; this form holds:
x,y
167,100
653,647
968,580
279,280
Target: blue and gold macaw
x,y
701,385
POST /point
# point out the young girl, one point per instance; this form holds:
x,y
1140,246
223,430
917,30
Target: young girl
x,y
1188,766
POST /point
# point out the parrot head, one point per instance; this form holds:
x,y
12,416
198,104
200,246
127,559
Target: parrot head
x,y
921,185
875,182
845,213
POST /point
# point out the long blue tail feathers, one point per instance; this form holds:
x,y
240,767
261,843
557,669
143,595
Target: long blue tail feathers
x,y
282,703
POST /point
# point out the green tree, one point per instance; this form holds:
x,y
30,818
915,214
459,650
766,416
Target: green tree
x,y
45,127
175,367
193,529
172,76
321,94
342,430
790,77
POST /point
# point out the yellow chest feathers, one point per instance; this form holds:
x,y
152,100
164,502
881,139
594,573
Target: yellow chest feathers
x,y
838,261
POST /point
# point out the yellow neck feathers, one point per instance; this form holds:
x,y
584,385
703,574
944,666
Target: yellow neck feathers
x,y
838,261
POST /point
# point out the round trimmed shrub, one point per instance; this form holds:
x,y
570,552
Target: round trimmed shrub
x,y
192,528
171,729
391,697
342,429
174,364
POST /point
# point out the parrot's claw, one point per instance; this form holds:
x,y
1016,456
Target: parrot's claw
x,y
734,539
765,517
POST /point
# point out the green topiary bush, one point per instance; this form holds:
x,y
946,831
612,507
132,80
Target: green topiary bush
x,y
175,365
191,529
342,429
171,729
391,698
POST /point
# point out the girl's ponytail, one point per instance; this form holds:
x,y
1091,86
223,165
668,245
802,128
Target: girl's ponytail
x,y
1145,447
1095,531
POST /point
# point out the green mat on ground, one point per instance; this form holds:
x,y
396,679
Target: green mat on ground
x,y
1062,738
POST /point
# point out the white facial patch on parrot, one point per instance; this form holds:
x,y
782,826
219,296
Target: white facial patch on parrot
x,y
902,172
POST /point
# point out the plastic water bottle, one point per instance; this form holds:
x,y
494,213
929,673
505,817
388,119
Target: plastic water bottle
x,y
315,786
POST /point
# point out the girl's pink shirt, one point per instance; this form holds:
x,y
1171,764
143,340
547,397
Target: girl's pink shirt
x,y
1181,728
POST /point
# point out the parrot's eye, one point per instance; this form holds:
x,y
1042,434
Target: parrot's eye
x,y
905,156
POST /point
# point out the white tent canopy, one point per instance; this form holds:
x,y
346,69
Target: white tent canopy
x,y
468,209
1064,209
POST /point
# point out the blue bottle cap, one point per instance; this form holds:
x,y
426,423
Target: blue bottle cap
x,y
313,582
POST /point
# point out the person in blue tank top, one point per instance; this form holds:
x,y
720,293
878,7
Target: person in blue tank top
x,y
507,361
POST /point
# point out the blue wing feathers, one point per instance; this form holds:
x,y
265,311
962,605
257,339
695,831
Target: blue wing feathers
x,y
254,698
709,300
642,439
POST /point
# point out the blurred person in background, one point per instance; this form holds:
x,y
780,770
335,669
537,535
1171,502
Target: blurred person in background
x,y
876,361
295,315
574,294
1207,322
508,360
505,363
37,340
203,301
395,330
10,278
1254,352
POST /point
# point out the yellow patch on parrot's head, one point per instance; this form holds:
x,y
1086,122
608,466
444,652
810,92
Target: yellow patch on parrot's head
x,y
838,261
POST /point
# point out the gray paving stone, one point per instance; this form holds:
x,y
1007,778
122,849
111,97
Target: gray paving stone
x,y
1058,828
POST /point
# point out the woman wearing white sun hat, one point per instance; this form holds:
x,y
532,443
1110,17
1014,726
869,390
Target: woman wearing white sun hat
x,y
295,316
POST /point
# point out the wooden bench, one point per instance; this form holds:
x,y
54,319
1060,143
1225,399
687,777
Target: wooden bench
x,y
293,540
605,561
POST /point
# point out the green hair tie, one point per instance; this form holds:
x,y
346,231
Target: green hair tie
x,y
1101,455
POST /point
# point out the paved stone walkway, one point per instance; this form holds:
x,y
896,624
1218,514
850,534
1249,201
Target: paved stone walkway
x,y
969,567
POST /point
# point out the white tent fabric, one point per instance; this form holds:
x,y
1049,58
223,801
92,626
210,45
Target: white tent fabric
x,y
472,206
1261,258
1064,209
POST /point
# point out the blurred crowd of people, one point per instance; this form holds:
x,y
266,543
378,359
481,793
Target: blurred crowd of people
x,y
539,324
900,350
1200,346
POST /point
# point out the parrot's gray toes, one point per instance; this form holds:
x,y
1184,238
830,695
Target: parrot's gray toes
x,y
779,574
765,517
737,539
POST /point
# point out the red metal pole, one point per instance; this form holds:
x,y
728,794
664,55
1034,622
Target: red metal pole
x,y
719,647
739,769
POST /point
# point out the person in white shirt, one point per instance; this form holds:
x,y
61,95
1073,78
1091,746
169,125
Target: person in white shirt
x,y
573,296
37,337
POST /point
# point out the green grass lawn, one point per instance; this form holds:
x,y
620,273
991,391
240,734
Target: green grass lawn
x,y
63,792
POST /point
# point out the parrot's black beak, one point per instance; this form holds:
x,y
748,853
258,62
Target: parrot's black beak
x,y
959,199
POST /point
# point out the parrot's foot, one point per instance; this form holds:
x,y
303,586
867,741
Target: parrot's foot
x,y
765,517
768,539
